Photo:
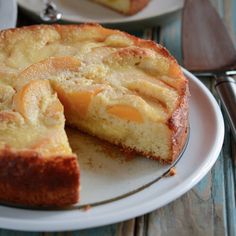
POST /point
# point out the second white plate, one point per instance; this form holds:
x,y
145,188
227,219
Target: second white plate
x,y
80,11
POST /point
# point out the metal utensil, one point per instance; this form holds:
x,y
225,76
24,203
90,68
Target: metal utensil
x,y
50,13
209,50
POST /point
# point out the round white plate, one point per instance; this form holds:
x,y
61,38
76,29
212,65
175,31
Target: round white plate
x,y
120,187
86,11
8,14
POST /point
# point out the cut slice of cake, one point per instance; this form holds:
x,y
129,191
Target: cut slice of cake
x,y
37,167
127,91
126,7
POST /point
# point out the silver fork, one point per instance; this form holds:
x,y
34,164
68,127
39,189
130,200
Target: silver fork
x,y
50,13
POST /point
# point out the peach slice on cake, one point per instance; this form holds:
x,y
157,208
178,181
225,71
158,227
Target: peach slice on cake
x,y
47,68
126,112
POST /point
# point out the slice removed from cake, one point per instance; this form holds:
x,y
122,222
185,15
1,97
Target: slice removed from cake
x,y
126,7
37,167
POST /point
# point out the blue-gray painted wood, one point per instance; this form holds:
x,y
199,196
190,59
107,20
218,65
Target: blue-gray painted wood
x,y
170,36
229,170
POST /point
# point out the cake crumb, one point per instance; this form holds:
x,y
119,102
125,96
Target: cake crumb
x,y
87,208
171,172
128,154
90,163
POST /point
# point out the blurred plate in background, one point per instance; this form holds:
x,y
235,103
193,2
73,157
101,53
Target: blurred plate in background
x,y
79,11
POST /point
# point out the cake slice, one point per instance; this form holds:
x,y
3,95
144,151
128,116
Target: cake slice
x,y
126,7
37,167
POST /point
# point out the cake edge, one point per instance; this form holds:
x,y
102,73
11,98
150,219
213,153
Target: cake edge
x,y
29,179
179,124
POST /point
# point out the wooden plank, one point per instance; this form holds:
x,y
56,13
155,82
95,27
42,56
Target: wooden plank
x,y
109,230
126,228
170,36
218,197
189,215
228,148
229,169
17,233
58,234
141,225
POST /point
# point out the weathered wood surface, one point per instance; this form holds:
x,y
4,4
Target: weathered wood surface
x,y
209,208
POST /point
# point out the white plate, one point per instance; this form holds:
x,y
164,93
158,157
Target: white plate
x,y
86,11
109,178
8,14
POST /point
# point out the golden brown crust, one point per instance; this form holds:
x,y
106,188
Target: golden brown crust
x,y
103,33
178,123
28,179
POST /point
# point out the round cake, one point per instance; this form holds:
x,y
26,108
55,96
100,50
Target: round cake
x,y
125,90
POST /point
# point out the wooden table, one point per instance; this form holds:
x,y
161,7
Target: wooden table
x,y
209,208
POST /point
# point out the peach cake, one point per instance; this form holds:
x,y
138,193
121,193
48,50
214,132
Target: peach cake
x,y
126,7
119,88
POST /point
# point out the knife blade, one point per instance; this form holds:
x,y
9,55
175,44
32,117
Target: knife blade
x,y
208,49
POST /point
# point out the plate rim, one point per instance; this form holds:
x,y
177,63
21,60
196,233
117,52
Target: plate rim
x,y
133,211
